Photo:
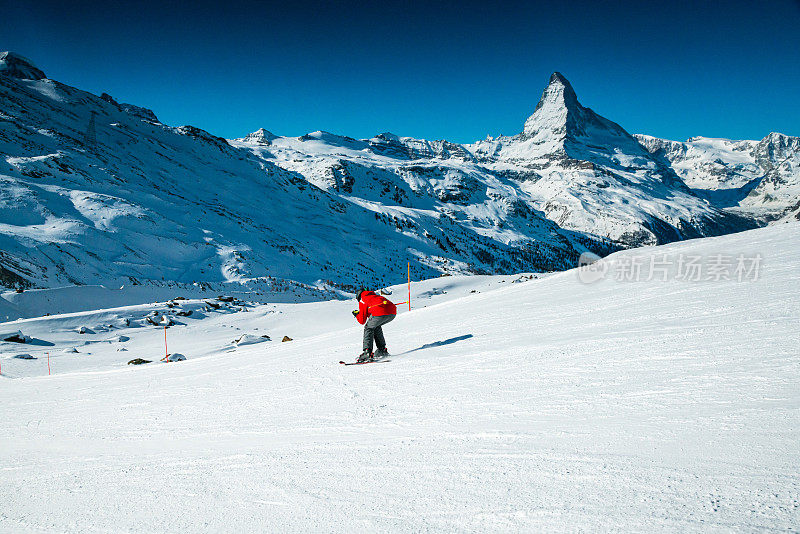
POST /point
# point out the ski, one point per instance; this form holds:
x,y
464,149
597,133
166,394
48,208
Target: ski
x,y
362,363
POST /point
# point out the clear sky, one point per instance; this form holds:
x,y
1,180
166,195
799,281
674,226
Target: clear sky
x,y
457,71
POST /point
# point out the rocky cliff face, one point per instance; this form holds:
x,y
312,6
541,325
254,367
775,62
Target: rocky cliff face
x,y
16,66
777,194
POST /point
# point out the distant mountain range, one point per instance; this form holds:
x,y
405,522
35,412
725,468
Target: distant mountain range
x,y
100,192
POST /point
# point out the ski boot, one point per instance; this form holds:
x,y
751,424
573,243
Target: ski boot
x,y
381,353
365,357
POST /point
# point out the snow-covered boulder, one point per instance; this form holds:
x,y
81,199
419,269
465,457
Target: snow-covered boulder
x,y
15,337
160,320
85,330
176,357
70,350
25,357
250,339
121,339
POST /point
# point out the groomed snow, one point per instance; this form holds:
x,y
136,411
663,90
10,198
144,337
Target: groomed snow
x,y
547,404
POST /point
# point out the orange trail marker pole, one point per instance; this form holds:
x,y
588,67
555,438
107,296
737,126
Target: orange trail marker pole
x,y
166,350
48,364
409,286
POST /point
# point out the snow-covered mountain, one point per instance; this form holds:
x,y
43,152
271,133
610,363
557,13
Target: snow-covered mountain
x,y
588,174
100,192
755,178
97,192
580,170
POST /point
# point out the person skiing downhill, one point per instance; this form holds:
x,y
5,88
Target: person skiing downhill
x,y
373,312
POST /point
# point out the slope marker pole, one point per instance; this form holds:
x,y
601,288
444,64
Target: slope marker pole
x,y
409,286
48,364
166,350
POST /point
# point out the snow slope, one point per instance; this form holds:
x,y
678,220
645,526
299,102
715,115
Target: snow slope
x,y
548,404
210,329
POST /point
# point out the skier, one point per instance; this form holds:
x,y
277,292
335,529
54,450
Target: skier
x,y
373,312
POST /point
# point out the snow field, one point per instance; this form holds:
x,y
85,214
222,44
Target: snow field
x,y
547,404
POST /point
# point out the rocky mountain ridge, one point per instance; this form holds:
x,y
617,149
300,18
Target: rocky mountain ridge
x,y
759,179
98,192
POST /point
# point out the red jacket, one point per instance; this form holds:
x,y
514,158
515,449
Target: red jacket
x,y
374,305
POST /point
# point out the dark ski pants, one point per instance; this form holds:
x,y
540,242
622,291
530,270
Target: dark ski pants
x,y
373,330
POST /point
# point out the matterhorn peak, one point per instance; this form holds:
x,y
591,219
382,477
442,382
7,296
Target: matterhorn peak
x,y
558,92
561,126
17,66
557,104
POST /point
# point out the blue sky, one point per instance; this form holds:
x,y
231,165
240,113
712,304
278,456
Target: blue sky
x,y
457,71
